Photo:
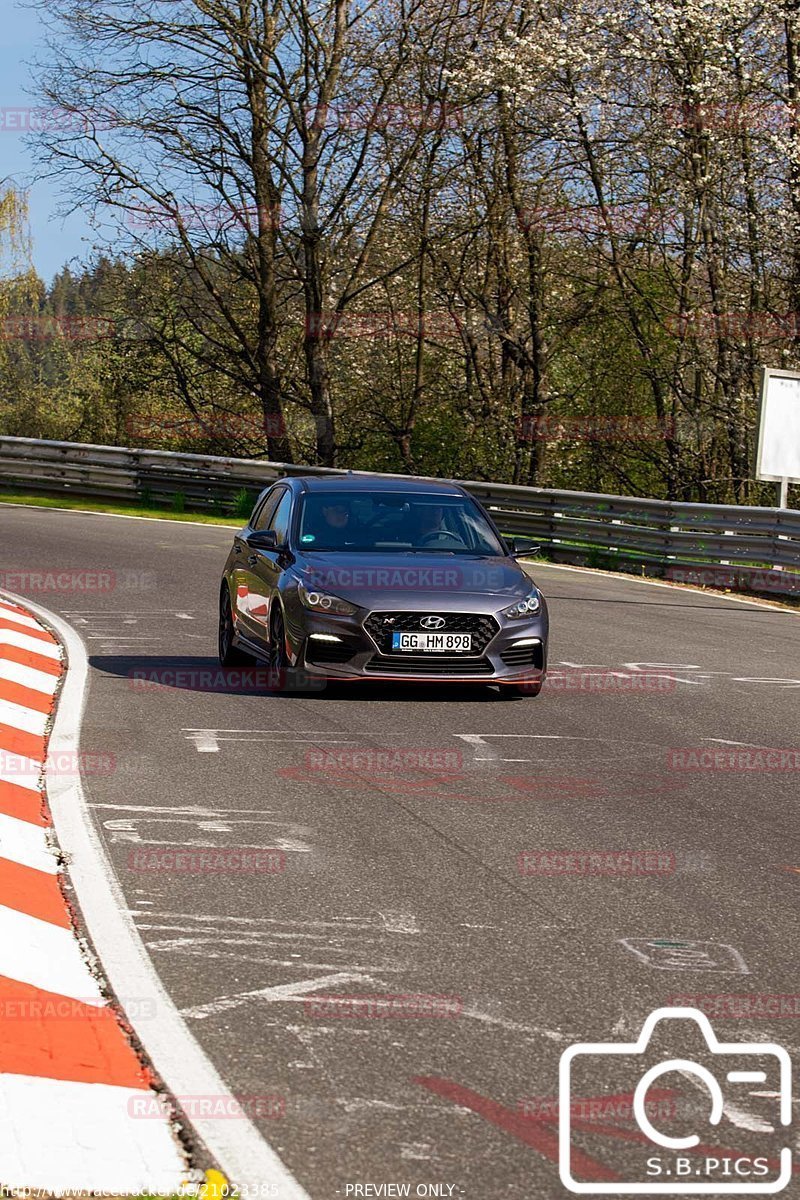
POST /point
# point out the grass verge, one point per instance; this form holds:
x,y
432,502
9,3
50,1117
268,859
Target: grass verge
x,y
119,509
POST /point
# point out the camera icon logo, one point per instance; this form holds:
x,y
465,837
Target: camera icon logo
x,y
687,1174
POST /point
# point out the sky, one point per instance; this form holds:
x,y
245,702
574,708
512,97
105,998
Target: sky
x,y
56,240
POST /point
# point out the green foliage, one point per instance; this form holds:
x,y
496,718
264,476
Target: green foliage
x,y
243,503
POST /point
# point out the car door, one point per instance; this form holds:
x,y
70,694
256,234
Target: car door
x,y
265,568
250,619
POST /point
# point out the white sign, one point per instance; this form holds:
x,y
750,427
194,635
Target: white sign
x,y
778,456
697,1173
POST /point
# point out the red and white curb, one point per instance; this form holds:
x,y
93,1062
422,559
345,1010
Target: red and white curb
x,y
69,1078
71,1086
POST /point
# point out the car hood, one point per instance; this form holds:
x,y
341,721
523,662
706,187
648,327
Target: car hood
x,y
416,581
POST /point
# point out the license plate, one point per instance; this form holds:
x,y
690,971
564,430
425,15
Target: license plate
x,y
447,643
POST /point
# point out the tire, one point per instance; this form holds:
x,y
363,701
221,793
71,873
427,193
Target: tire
x,y
278,658
229,654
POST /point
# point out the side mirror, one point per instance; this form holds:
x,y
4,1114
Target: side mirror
x,y
522,547
263,539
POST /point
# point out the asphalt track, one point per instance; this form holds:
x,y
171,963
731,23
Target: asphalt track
x,y
408,882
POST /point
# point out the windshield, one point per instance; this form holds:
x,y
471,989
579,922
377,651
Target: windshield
x,y
385,521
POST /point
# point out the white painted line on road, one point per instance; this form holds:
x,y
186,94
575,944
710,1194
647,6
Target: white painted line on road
x,y
488,753
475,1014
399,922
680,954
45,956
206,741
239,1149
91,512
789,683
726,742
278,994
25,843
624,577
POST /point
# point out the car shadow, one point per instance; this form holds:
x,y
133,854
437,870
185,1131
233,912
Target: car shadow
x,y
149,674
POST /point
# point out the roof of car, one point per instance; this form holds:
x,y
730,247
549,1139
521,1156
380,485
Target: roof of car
x,y
378,483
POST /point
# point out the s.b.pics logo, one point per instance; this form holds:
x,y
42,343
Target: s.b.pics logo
x,y
739,1093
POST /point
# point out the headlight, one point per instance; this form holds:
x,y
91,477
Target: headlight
x,y
325,603
524,608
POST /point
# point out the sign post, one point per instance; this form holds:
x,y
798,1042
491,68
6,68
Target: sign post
x,y
778,453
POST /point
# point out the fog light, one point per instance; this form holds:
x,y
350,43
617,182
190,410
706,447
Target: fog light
x,y
325,637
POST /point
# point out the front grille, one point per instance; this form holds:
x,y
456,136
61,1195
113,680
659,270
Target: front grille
x,y
432,664
523,656
381,625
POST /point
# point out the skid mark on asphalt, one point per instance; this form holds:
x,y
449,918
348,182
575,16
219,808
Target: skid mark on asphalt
x,y
173,826
118,630
294,993
276,943
399,922
207,741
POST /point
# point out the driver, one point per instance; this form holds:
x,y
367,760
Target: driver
x,y
336,524
430,520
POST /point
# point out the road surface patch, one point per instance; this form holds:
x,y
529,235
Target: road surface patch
x,y
67,1069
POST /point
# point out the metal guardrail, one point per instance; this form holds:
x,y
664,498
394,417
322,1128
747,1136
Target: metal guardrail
x,y
750,549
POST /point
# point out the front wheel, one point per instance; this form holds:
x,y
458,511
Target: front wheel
x,y
229,654
278,658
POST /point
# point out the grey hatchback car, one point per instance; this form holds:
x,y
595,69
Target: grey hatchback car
x,y
358,577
